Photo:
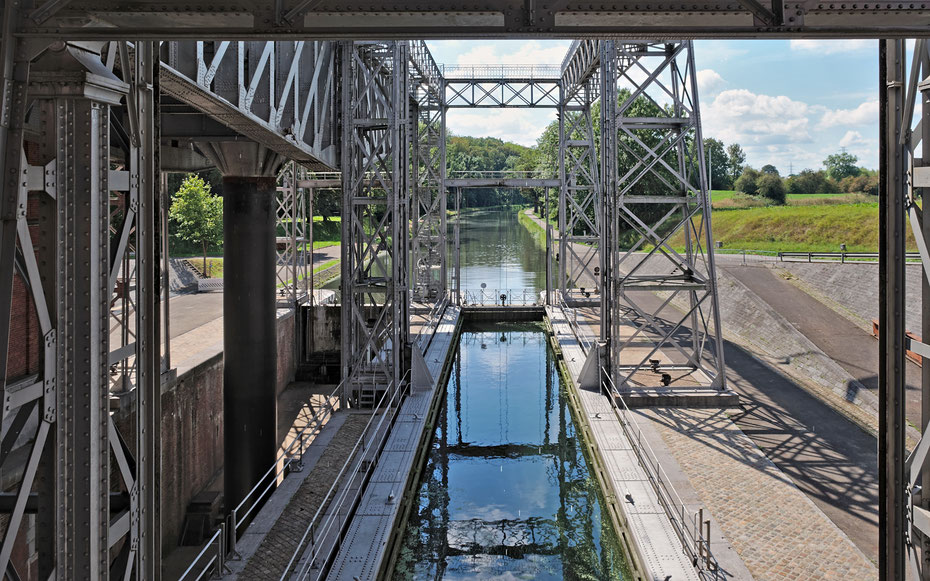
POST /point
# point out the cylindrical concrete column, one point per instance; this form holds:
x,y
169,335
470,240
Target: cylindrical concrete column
x,y
249,332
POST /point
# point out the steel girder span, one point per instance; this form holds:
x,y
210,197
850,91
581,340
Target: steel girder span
x,y
348,19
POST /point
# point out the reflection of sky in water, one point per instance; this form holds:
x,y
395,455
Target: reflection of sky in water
x,y
506,492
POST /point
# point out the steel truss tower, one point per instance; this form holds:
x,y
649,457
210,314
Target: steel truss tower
x,y
428,239
632,208
904,479
580,197
294,236
655,198
375,161
79,212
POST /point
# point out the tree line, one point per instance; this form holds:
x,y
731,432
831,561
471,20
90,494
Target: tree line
x,y
840,174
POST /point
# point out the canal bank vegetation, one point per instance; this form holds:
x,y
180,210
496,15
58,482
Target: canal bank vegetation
x,y
798,228
536,231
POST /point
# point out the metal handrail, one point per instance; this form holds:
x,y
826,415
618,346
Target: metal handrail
x,y
779,256
693,539
217,560
281,465
433,320
519,71
484,297
581,333
498,174
841,256
315,532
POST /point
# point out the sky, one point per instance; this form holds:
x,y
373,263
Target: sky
x,y
789,103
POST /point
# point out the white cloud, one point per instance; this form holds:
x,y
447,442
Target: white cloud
x,y
523,126
831,46
513,53
770,128
864,114
851,139
710,82
741,116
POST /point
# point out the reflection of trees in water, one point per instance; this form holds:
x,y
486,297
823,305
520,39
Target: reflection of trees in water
x,y
491,238
577,542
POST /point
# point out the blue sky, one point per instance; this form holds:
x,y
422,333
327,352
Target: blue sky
x,y
789,103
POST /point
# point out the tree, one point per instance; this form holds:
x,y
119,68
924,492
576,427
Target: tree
x,y
198,215
747,181
716,156
327,203
736,159
772,187
770,169
863,183
841,165
808,181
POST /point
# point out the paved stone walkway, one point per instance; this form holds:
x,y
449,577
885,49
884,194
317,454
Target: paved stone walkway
x,y
779,533
281,542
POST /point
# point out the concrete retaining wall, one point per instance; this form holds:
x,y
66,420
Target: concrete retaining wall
x,y
852,289
751,323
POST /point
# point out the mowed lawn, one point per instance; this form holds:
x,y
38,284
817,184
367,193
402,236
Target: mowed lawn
x,y
798,228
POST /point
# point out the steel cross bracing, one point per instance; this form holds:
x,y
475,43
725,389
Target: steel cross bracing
x,y
280,94
904,513
428,132
375,162
80,201
655,198
580,196
294,243
471,87
347,19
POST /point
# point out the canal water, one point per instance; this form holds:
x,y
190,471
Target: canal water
x,y
507,492
498,251
495,250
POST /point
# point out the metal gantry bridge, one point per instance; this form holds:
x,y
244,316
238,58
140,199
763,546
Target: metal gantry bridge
x,y
102,97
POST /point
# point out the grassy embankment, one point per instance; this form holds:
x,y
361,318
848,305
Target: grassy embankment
x,y
807,223
536,231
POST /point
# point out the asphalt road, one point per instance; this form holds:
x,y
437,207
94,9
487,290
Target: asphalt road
x,y
854,349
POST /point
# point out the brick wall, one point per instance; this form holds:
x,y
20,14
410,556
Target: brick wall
x,y
192,441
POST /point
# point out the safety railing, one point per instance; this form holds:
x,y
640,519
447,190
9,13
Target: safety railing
x,y
837,256
748,256
499,174
432,322
212,558
692,530
500,297
462,72
210,562
336,507
581,332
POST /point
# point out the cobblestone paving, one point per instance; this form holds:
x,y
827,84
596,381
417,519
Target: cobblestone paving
x,y
779,533
281,542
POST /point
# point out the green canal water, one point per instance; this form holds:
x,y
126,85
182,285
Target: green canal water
x,y
507,492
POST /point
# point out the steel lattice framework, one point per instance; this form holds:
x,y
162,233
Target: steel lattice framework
x,y
92,205
293,238
581,210
904,513
476,87
279,94
375,162
656,190
428,237
78,209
